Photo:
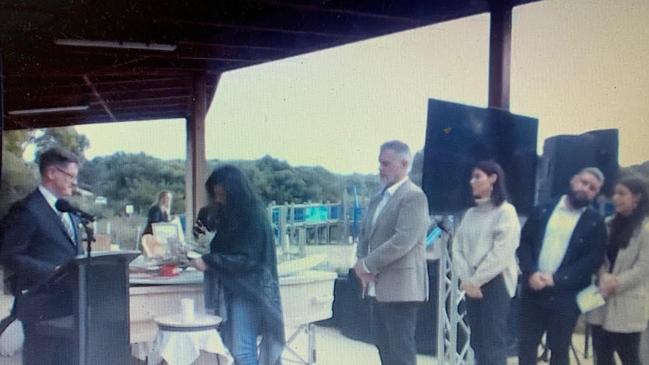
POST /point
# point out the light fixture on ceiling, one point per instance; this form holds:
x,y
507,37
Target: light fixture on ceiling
x,y
59,109
115,44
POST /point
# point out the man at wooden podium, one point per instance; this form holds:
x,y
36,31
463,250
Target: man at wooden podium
x,y
36,238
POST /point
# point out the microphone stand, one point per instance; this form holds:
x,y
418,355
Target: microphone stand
x,y
90,238
90,235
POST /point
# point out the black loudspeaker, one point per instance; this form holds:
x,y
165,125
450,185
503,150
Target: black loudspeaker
x,y
458,136
564,155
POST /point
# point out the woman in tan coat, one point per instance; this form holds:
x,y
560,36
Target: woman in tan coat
x,y
623,279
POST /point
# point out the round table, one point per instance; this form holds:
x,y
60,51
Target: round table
x,y
181,343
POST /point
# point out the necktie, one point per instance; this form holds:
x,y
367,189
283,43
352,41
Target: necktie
x,y
67,223
385,196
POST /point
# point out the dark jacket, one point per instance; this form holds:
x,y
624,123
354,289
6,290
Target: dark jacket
x,y
155,215
584,255
34,243
244,259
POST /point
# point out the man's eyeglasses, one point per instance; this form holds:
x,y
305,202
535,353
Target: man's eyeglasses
x,y
73,177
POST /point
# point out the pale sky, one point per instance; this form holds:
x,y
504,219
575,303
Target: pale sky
x,y
577,65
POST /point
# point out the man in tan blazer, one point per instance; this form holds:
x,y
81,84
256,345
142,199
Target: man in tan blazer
x,y
391,261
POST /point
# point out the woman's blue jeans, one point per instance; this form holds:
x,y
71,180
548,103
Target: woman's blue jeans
x,y
241,329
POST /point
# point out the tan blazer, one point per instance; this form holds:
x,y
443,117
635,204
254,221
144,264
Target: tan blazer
x,y
628,309
393,248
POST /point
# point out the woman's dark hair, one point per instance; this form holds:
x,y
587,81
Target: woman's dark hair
x,y
621,227
499,193
242,201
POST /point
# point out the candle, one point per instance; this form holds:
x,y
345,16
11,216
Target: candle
x,y
187,310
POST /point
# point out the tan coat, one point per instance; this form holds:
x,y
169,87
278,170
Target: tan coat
x,y
393,248
627,310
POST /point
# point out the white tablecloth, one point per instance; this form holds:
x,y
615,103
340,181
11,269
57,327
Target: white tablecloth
x,y
184,348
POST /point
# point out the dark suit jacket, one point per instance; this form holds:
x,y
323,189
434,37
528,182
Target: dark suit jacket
x,y
583,257
34,242
157,215
244,259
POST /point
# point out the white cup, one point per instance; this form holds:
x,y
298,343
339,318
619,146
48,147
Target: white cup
x,y
187,310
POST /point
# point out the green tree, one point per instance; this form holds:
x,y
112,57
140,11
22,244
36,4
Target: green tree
x,y
18,176
66,137
135,179
16,141
279,182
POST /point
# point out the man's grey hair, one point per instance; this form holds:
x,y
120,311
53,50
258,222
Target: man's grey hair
x,y
593,171
400,148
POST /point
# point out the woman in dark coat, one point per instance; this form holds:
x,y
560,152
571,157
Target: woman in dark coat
x,y
160,211
241,283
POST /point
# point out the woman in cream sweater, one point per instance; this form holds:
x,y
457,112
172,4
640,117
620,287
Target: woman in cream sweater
x,y
623,279
484,257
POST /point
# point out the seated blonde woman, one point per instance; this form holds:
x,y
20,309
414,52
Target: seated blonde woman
x,y
160,211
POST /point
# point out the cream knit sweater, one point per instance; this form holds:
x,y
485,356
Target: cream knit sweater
x,y
485,244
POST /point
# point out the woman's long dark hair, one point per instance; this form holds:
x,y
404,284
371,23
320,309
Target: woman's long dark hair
x,y
621,227
242,201
499,193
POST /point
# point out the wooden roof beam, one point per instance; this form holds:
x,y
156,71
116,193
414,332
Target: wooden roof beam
x,y
252,28
89,118
108,95
149,107
36,90
178,56
133,72
99,98
233,46
147,100
412,22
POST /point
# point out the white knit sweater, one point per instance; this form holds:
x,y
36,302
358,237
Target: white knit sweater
x,y
485,244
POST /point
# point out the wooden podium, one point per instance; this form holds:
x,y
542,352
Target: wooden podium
x,y
98,329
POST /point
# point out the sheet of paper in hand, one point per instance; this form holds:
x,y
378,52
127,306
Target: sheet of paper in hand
x,y
589,299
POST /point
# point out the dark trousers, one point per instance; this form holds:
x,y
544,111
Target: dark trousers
x,y
557,324
605,343
394,330
488,320
39,349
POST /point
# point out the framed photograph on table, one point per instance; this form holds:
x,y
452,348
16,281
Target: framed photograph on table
x,y
167,234
167,240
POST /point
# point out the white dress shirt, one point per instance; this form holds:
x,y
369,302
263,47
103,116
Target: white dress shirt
x,y
49,197
557,235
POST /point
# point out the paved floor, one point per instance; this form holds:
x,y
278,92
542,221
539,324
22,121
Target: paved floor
x,y
336,349
332,348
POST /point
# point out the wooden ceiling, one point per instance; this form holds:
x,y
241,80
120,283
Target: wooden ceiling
x,y
210,37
